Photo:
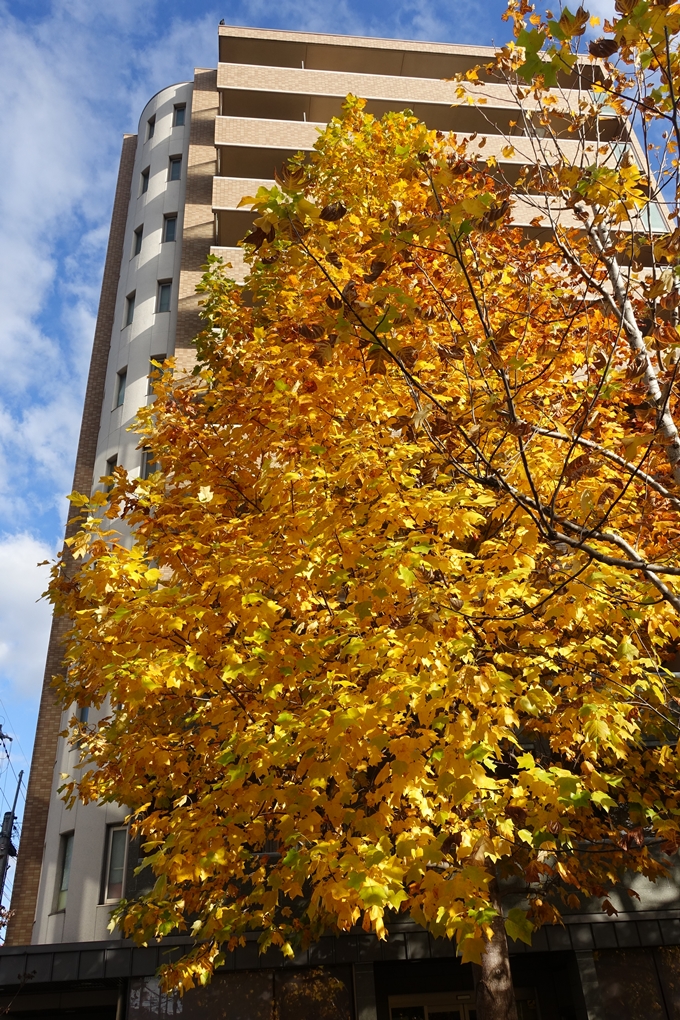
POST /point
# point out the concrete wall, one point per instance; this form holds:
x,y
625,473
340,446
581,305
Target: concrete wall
x,y
130,347
151,333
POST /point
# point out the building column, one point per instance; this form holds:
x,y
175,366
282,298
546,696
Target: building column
x,y
364,991
40,780
590,985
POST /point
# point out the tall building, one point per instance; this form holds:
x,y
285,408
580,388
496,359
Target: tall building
x,y
200,147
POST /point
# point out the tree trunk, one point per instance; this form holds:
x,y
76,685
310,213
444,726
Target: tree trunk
x,y
495,995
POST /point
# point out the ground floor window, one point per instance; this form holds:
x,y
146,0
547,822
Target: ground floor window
x,y
453,1006
437,1006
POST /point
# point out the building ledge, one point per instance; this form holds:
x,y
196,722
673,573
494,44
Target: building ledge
x,y
81,961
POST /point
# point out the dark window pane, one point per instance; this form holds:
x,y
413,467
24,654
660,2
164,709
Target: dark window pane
x,y
122,381
65,870
152,127
244,995
312,994
111,466
175,168
629,985
116,868
668,960
170,228
138,240
149,465
164,297
130,311
145,181
527,1009
154,371
179,116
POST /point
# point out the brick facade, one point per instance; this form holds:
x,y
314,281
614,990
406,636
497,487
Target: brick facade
x,y
268,134
29,860
198,232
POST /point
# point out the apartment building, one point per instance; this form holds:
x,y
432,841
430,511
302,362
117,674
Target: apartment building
x,y
200,147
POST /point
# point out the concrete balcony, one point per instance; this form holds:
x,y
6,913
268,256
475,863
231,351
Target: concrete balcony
x,y
228,191
299,94
234,257
269,47
269,134
402,89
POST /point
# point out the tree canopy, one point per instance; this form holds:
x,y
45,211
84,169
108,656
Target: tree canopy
x,y
386,630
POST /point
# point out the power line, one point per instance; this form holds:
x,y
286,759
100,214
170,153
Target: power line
x,y
5,736
14,730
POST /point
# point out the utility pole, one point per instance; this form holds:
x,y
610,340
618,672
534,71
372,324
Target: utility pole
x,y
7,848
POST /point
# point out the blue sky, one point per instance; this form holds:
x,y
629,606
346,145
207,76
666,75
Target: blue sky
x,y
74,76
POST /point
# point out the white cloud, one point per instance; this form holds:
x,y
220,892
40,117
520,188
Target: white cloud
x,y
24,617
73,79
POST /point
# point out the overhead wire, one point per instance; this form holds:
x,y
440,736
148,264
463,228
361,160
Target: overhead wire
x,y
19,748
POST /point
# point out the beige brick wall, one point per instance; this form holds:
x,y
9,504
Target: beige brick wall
x,y
270,134
198,231
233,257
227,192
29,860
368,42
401,89
338,83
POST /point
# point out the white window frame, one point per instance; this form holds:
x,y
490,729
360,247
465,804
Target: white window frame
x,y
138,237
175,161
64,861
170,218
129,309
110,830
161,285
121,386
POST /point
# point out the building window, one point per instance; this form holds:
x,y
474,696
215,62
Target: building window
x,y
180,111
82,715
120,387
149,464
164,291
137,246
175,168
155,371
114,864
145,181
129,308
111,465
150,127
63,870
170,228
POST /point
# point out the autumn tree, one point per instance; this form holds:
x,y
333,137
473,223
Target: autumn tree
x,y
388,629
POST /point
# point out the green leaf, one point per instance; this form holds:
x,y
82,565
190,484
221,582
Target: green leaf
x,y
406,575
478,752
603,799
518,926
